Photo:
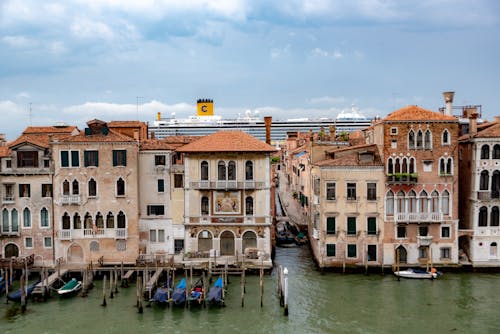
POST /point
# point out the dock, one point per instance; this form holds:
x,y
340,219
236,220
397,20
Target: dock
x,y
44,285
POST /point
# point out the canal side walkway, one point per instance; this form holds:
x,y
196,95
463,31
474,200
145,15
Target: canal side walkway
x,y
291,206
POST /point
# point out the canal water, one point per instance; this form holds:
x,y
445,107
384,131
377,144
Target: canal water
x,y
318,303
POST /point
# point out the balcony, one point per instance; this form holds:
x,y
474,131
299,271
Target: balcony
x,y
201,220
227,184
8,200
64,234
93,233
121,233
424,240
70,199
486,195
10,233
402,178
116,233
418,217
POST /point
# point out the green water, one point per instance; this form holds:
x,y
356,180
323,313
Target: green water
x,y
318,303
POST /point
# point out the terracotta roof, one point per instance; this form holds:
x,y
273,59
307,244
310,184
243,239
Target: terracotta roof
x,y
349,148
350,157
489,132
416,113
4,151
49,129
112,136
125,124
156,144
227,141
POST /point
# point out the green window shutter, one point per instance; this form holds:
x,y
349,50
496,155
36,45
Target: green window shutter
x,y
330,225
124,158
351,250
351,225
330,249
64,159
115,158
96,158
86,158
75,159
372,225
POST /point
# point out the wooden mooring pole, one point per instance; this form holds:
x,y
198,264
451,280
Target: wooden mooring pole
x,y
261,283
104,291
139,294
285,290
243,287
116,279
24,278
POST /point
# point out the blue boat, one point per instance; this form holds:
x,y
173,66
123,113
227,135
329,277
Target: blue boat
x,y
161,295
16,295
3,286
215,295
179,295
197,293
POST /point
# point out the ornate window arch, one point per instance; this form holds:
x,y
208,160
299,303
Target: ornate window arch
x,y
483,216
428,140
445,137
204,171
485,151
389,203
484,180
411,139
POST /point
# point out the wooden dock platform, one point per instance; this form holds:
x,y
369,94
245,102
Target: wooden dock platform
x,y
46,284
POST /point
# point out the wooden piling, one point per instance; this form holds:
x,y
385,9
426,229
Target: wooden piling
x,y
104,291
116,279
111,280
23,291
261,287
139,294
397,260
285,290
243,288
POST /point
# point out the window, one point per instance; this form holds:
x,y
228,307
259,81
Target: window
x,y
494,216
120,187
484,180
394,130
351,250
330,191
119,158
419,143
120,220
330,249
157,235
330,225
483,216
46,190
401,231
427,140
152,235
389,203
423,231
26,218
249,170
8,163
161,185
47,242
445,166
427,165
372,253
351,191
231,171
77,221
92,188
485,152
178,181
110,220
121,245
445,253
99,220
66,221
178,246
44,217
422,252
371,191
9,192
75,187
445,203
65,159
27,159
155,210
94,246
204,170
351,225
445,232
204,205
91,158
411,139
161,235
24,190
28,242
371,226
496,152
446,138
221,171
160,160
65,187
249,205
5,221
14,217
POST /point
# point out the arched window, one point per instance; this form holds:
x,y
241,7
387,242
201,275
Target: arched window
x,y
404,169
221,171
205,205
66,223
493,249
483,216
495,185
249,170
205,241
390,166
249,205
485,152
249,240
120,187
412,165
94,246
231,170
397,166
120,220
92,188
412,207
66,188
44,217
77,221
496,151
99,220
428,140
419,139
449,166
5,221
14,220
424,201
446,137
484,180
75,188
400,202
204,170
435,201
87,221
110,220
26,217
494,216
411,139
445,203
389,203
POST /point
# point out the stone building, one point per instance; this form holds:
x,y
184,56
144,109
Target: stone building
x,y
227,197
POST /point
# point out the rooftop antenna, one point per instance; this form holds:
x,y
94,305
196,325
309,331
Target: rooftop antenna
x,y
137,101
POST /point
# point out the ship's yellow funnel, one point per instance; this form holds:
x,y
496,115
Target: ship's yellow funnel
x,y
205,107
158,116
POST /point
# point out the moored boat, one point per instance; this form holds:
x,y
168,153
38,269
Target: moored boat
x,y
71,288
16,295
197,293
417,273
179,295
216,293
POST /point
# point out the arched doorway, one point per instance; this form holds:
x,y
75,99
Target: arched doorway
x,y
402,254
493,250
75,254
249,240
204,241
227,243
11,250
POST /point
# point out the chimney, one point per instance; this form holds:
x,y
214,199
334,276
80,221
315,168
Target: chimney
x,y
3,141
471,113
268,121
333,132
448,99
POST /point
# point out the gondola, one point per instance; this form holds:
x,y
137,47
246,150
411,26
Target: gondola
x,y
216,293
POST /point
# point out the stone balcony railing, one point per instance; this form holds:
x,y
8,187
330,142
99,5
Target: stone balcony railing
x,y
416,217
227,184
227,220
115,233
70,199
424,240
486,195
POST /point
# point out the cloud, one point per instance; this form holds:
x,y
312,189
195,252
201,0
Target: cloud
x,y
19,41
318,52
280,52
328,100
23,95
85,28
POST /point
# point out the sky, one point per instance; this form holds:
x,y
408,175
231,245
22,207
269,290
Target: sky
x,y
75,60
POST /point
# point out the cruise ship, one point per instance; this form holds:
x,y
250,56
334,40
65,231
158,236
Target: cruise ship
x,y
205,122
